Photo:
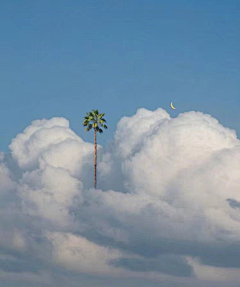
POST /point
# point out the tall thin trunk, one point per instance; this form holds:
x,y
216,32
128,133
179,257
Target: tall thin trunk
x,y
95,161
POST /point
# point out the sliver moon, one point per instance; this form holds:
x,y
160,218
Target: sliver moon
x,y
172,106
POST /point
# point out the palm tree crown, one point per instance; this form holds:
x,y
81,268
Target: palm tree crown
x,y
94,120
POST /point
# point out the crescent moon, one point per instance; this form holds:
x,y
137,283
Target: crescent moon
x,y
172,106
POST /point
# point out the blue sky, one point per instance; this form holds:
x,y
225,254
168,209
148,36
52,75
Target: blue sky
x,y
64,58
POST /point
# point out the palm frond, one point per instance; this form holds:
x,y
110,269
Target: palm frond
x,y
99,130
90,114
88,128
102,121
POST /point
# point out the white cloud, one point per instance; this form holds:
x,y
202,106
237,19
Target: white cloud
x,y
45,142
49,193
78,254
167,202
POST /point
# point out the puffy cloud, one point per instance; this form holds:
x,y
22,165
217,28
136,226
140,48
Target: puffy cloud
x,y
40,135
51,157
46,142
133,131
173,146
167,204
178,179
77,253
49,193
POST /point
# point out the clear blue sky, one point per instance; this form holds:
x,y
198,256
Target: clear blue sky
x,y
64,58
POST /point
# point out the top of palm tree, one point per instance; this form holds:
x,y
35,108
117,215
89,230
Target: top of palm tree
x,y
94,120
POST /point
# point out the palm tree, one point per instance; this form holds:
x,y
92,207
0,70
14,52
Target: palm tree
x,y
94,120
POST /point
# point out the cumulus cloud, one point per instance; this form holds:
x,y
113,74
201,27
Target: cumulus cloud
x,y
77,253
166,207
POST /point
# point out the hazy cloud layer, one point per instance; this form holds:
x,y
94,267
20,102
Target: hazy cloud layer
x,y
166,211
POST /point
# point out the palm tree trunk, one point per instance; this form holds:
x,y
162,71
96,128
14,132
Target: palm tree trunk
x,y
95,161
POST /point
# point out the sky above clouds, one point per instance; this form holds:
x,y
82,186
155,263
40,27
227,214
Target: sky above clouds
x,y
63,58
167,208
